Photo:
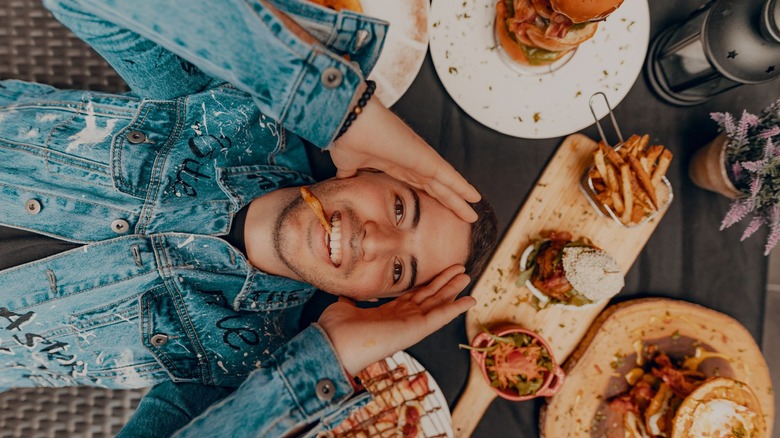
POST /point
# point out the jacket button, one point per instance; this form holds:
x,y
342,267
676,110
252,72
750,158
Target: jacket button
x,y
136,137
331,77
120,226
159,340
325,390
32,206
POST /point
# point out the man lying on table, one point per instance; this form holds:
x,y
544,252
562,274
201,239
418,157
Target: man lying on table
x,y
191,251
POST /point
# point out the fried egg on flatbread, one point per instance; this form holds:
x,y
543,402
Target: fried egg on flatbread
x,y
721,407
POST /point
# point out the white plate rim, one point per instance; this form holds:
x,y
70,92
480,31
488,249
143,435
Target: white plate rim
x,y
398,45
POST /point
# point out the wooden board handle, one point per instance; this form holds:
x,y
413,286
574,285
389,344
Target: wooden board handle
x,y
466,416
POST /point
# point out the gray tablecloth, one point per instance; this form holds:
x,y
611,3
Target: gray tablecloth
x,y
687,257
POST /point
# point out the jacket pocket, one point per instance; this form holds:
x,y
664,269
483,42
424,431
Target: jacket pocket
x,y
79,144
165,336
139,151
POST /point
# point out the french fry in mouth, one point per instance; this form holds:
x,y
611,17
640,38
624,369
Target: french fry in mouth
x,y
316,207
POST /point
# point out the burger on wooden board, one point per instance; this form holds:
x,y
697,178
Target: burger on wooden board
x,y
560,270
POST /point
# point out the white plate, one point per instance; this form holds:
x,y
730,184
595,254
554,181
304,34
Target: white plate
x,y
544,106
405,45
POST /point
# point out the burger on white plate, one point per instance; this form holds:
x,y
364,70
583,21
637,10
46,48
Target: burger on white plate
x,y
540,32
559,270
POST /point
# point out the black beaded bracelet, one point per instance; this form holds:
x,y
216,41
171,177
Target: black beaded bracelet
x,y
370,88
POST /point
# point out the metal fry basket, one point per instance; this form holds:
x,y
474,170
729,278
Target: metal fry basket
x,y
586,182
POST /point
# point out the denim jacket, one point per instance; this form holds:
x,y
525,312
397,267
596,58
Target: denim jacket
x,y
147,179
301,391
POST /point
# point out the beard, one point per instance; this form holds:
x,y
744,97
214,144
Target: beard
x,y
278,239
291,259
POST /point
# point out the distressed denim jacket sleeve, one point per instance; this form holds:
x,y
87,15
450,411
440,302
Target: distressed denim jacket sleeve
x,y
301,383
301,79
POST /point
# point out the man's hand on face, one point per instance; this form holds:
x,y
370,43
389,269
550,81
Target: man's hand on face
x,y
364,336
378,139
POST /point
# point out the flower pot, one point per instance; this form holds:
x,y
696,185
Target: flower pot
x,y
708,169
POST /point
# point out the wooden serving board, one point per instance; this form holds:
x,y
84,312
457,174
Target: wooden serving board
x,y
595,370
555,203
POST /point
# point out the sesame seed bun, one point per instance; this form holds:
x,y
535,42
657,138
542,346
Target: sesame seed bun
x,y
592,272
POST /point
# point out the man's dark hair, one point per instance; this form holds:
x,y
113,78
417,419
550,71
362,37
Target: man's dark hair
x,y
484,238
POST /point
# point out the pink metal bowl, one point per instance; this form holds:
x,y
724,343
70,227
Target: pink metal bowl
x,y
553,380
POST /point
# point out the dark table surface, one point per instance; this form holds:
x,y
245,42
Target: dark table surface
x,y
687,257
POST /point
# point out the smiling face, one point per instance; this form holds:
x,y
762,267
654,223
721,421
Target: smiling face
x,y
387,237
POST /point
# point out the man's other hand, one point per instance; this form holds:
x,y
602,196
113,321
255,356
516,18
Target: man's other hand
x,y
378,139
364,336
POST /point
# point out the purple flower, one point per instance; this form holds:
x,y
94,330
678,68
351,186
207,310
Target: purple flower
x,y
755,224
753,159
739,209
769,133
754,166
774,237
770,149
726,122
736,171
755,188
739,136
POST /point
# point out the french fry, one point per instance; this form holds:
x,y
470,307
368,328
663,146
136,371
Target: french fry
x,y
642,201
643,141
617,203
601,166
645,163
605,198
636,215
628,195
610,153
663,166
630,146
644,180
316,207
653,152
612,183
